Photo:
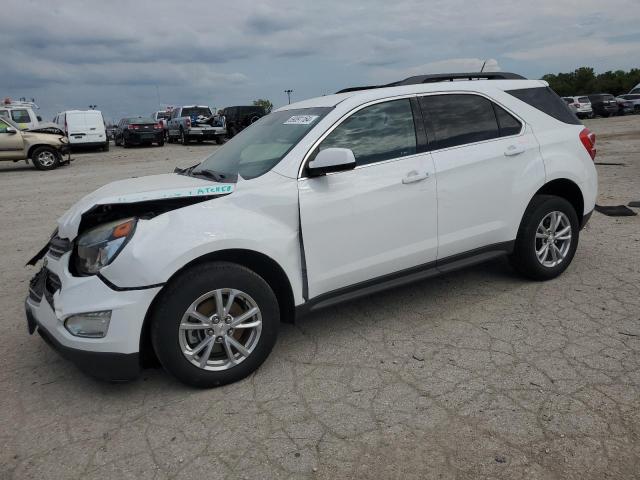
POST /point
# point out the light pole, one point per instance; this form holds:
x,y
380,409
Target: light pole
x,y
289,92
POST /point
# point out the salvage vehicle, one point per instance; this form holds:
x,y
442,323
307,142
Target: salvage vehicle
x,y
319,202
240,117
22,113
603,104
45,146
138,131
634,99
161,117
85,128
580,105
195,123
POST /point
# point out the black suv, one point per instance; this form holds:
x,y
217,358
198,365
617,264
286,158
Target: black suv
x,y
240,117
603,104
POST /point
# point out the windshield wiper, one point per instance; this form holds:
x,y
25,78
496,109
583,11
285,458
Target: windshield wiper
x,y
184,171
210,174
205,173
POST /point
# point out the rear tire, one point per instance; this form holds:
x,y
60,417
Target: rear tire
x,y
185,353
219,140
161,143
541,250
105,147
183,138
45,158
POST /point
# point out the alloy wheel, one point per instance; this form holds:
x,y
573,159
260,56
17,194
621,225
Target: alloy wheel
x,y
220,329
553,239
46,158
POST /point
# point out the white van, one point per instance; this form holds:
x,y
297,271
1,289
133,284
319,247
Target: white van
x,y
84,128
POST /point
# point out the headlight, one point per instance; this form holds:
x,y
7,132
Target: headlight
x,y
99,246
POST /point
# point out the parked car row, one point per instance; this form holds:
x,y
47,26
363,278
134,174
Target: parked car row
x,y
603,104
185,124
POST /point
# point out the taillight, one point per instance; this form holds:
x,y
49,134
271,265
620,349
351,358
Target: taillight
x,y
157,126
188,123
133,127
588,139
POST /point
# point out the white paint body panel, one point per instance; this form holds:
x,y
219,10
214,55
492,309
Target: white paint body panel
x,y
365,223
482,193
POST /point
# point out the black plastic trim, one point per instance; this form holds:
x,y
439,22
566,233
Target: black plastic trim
x,y
441,77
410,275
113,286
585,218
110,366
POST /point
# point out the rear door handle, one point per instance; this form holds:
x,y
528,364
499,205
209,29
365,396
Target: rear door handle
x,y
414,176
514,150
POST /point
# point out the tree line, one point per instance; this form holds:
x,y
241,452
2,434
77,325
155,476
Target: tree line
x,y
584,81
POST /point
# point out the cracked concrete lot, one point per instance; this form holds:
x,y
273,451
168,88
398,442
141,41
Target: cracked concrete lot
x,y
477,374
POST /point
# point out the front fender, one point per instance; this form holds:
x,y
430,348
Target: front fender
x,y
261,216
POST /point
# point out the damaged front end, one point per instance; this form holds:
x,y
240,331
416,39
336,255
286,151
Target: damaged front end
x,y
108,213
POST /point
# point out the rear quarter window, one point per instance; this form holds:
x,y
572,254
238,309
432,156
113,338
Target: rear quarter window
x,y
547,101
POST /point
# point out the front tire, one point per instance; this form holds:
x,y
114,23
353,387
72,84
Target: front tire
x,y
547,238
45,158
215,324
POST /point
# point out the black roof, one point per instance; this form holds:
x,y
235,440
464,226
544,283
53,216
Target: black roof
x,y
442,77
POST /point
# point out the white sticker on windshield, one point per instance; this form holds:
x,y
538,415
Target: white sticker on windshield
x,y
301,120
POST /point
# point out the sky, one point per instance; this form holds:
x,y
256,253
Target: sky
x,y
135,57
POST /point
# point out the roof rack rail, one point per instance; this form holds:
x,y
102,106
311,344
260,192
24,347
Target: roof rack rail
x,y
442,77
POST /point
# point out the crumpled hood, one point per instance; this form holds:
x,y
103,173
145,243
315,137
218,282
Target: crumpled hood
x,y
141,189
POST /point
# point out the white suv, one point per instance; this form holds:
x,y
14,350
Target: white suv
x,y
318,202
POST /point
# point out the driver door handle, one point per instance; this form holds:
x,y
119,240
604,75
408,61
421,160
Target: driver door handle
x,y
414,176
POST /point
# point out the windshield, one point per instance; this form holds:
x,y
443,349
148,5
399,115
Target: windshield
x,y
259,147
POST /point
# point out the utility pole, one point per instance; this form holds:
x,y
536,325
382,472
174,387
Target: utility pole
x,y
289,92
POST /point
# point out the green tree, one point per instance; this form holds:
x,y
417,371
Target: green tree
x,y
263,102
584,80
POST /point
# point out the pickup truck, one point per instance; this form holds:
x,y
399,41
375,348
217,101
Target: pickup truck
x,y
195,123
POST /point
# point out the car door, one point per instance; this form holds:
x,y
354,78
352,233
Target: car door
x,y
379,218
11,144
488,165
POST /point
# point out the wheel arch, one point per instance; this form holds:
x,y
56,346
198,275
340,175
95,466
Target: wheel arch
x,y
567,189
33,148
258,262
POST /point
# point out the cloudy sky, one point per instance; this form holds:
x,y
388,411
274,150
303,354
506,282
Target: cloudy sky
x,y
130,56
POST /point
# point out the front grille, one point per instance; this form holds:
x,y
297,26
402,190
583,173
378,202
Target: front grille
x,y
59,246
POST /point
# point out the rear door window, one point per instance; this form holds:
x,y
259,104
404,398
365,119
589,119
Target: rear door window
x,y
547,101
458,119
382,131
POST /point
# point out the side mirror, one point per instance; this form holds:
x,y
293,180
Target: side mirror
x,y
331,160
11,130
